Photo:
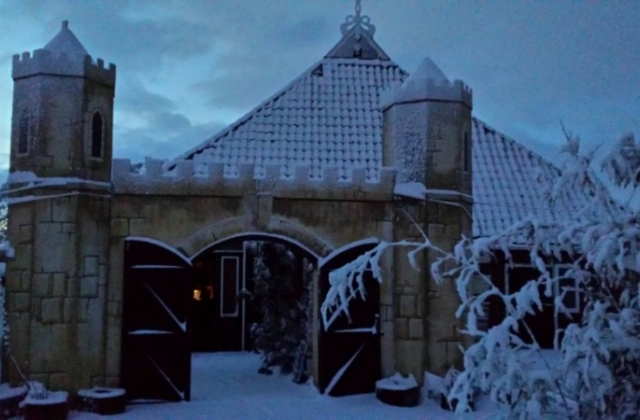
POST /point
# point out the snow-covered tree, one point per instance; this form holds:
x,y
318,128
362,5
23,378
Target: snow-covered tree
x,y
281,304
598,376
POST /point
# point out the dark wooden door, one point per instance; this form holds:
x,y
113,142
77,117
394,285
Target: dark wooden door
x,y
156,349
542,323
350,348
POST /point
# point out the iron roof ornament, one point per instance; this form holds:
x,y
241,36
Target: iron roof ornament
x,y
358,23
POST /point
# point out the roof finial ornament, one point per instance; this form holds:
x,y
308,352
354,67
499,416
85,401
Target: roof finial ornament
x,y
358,23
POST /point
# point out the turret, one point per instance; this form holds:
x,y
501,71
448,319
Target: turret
x,y
427,129
427,138
62,111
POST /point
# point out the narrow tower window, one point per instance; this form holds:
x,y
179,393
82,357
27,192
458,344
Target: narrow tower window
x,y
96,135
23,133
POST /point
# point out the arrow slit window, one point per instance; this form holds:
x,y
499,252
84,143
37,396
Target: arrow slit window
x,y
24,133
97,134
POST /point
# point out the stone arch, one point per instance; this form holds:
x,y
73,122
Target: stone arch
x,y
278,227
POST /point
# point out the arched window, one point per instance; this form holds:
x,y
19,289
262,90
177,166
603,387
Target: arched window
x,y
23,133
96,135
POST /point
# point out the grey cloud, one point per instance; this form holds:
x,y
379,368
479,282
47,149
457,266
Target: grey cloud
x,y
160,131
310,31
5,58
116,33
136,144
239,90
143,45
170,122
134,97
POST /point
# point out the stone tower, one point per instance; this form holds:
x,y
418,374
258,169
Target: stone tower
x,y
427,137
62,111
59,212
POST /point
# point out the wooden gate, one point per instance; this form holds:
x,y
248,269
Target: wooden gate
x,y
349,350
156,353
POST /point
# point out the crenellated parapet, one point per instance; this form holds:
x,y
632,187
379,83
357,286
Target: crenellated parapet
x,y
187,177
46,62
414,90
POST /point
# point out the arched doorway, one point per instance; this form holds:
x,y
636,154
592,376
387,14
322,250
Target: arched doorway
x,y
160,320
159,317
222,312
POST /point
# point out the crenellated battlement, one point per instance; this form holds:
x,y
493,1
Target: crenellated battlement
x,y
187,177
43,61
414,90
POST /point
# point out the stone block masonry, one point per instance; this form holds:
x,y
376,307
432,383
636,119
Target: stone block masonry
x,y
56,304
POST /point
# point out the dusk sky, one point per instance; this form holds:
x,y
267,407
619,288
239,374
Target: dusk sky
x,y
188,68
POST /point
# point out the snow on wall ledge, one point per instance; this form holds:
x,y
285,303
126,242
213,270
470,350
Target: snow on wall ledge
x,y
218,179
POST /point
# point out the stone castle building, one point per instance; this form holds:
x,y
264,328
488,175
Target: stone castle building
x,y
100,289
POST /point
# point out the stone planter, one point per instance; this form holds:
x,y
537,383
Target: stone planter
x,y
409,397
54,407
103,401
398,391
10,399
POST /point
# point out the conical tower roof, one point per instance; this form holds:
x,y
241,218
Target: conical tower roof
x,y
66,42
428,70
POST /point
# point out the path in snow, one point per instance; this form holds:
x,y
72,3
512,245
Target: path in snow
x,y
227,386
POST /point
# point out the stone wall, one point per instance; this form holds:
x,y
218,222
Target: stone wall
x,y
56,287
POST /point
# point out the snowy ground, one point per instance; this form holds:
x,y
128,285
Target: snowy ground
x,y
226,386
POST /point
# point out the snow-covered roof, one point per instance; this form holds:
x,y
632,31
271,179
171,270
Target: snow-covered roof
x,y
428,70
327,117
508,184
66,42
330,117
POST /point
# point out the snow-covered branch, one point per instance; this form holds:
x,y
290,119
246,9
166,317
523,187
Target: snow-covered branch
x,y
595,373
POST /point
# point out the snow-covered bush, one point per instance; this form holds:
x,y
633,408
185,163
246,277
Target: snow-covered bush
x,y
598,374
282,306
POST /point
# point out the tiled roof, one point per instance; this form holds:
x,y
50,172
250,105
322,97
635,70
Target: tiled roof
x,y
330,117
508,182
327,117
